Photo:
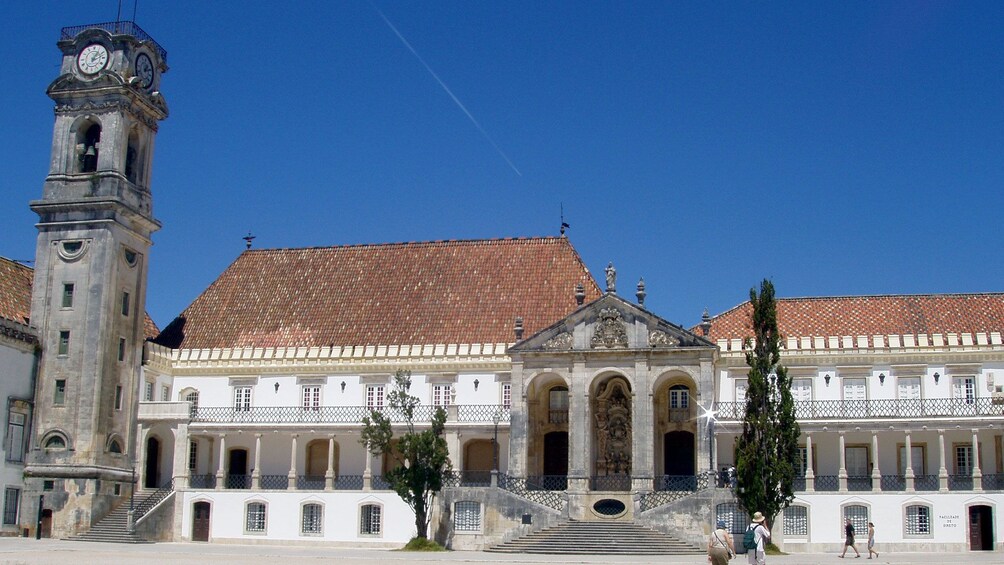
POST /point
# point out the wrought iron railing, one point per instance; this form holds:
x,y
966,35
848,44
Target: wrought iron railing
x,y
893,482
798,484
618,483
310,482
925,482
378,483
237,482
467,478
202,481
124,27
826,483
682,487
859,482
885,408
960,482
993,481
355,482
476,413
274,482
525,488
547,482
154,499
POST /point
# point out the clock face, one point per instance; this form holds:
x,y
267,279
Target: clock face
x,y
144,70
92,59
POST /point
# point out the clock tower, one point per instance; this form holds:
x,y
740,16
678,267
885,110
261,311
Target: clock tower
x,y
88,297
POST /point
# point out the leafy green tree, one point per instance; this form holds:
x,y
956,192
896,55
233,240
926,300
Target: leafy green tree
x,y
421,456
767,450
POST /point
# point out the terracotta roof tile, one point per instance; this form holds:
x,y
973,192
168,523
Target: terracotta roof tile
x,y
467,291
15,295
872,315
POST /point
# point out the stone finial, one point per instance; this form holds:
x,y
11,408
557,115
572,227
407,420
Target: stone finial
x,y
641,294
518,328
705,323
611,278
580,294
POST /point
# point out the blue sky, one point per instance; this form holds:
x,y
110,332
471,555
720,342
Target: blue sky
x,y
837,148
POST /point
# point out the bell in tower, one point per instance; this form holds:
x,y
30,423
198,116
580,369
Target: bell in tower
x,y
89,293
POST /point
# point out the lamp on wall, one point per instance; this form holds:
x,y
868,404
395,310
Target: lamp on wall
x,y
826,378
937,377
343,386
476,383
277,386
882,378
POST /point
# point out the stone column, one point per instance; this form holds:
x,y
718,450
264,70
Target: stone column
x,y
942,469
181,448
977,473
875,472
452,437
810,476
642,459
329,475
908,472
144,431
220,477
579,429
368,472
842,471
519,424
291,475
256,472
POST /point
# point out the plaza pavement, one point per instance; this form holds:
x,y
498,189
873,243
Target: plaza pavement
x,y
17,551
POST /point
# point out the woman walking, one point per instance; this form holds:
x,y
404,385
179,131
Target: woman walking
x,y
871,540
720,548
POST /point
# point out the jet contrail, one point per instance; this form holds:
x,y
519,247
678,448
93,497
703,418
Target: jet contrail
x,y
447,89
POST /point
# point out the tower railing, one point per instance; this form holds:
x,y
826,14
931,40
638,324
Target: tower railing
x,y
119,27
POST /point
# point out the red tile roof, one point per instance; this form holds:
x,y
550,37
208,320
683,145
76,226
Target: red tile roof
x,y
871,315
15,295
15,291
435,292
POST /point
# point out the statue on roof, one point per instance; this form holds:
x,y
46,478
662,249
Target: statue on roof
x,y
611,277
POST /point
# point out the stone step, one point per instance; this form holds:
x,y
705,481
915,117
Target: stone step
x,y
600,538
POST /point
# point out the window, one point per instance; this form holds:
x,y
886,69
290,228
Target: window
x,y
908,388
918,520
193,397
122,347
801,390
856,458
679,397
255,518
125,303
15,437
311,398
370,520
67,295
741,391
802,462
506,394
193,454
796,521
165,393
965,389
310,523
242,399
55,442
48,485
441,395
557,405
60,393
916,461
374,397
11,502
858,515
118,397
64,343
114,447
148,396
467,516
964,460
854,389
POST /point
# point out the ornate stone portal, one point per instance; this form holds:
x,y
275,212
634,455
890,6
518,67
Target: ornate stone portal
x,y
612,409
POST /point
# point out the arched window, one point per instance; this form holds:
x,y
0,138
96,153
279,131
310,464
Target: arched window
x,y
557,405
193,397
370,520
918,520
796,521
679,397
467,516
311,516
55,442
255,518
858,515
132,159
114,447
88,144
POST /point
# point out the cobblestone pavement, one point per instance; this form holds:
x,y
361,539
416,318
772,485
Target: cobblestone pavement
x,y
28,551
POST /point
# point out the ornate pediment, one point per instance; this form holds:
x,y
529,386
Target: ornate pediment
x,y
560,341
659,338
610,331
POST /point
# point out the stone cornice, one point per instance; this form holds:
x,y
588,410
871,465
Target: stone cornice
x,y
20,333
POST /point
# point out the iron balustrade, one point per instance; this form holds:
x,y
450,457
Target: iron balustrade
x,y
154,499
696,483
859,482
676,483
893,482
993,481
477,413
350,482
619,483
237,482
379,483
310,482
274,482
960,482
826,483
925,482
798,484
202,481
532,492
121,27
547,482
885,408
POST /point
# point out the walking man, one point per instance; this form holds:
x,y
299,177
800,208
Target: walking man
x,y
849,538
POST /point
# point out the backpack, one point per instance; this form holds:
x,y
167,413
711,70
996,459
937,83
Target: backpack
x,y
749,539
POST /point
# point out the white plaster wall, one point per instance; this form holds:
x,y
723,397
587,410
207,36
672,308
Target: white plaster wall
x,y
15,382
340,521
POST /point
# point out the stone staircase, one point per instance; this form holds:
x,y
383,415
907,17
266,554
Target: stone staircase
x,y
113,528
598,538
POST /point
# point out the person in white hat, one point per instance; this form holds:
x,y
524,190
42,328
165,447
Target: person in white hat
x,y
762,535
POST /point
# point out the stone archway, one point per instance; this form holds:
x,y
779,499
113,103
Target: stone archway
x,y
152,473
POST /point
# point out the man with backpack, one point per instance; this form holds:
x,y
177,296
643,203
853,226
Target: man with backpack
x,y
755,540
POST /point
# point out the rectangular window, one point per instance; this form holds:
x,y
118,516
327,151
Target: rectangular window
x,y
11,503
965,389
255,522
801,463
148,395
369,520
441,395
918,520
858,515
125,303
801,390
964,460
60,395
857,461
48,485
15,437
311,398
916,461
122,348
796,521
854,389
467,516
506,394
67,295
311,520
374,397
679,398
741,391
908,388
118,397
165,393
242,399
64,342
193,454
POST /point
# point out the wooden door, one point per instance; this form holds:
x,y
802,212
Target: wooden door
x,y
200,521
46,524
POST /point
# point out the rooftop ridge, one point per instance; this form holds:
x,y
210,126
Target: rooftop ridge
x,y
420,243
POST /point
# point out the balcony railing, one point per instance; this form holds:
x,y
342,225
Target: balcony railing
x,y
473,413
614,483
897,483
859,482
887,408
124,27
925,482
